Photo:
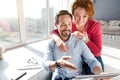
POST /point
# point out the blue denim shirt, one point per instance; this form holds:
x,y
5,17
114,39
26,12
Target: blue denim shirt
x,y
76,49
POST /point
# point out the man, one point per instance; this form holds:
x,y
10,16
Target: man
x,y
65,65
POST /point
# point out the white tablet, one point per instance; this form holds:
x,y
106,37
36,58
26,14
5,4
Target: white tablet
x,y
106,75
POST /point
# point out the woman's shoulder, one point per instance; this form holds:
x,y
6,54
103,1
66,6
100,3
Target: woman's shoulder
x,y
93,24
93,21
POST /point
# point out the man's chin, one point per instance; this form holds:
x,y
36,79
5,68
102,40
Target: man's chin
x,y
67,35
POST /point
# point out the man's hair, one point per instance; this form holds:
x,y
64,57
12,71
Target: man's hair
x,y
86,4
62,12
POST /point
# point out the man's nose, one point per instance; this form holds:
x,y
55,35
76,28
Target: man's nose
x,y
66,26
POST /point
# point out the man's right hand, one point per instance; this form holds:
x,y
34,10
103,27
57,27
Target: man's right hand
x,y
64,63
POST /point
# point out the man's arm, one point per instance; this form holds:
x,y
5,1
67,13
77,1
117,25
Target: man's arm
x,y
91,60
50,64
62,63
93,63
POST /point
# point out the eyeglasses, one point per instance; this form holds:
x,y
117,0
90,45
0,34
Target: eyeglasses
x,y
32,61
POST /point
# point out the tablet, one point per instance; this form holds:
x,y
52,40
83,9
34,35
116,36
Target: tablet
x,y
105,75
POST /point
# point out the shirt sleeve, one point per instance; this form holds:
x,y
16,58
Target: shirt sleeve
x,y
89,58
49,56
95,43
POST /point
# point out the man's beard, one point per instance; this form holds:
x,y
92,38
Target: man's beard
x,y
65,33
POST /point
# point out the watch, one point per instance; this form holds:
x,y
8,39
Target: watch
x,y
84,38
57,65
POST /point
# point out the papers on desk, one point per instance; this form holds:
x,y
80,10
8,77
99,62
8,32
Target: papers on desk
x,y
106,75
30,67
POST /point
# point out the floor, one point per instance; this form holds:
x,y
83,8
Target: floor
x,y
111,59
111,53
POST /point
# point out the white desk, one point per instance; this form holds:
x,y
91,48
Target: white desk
x,y
18,58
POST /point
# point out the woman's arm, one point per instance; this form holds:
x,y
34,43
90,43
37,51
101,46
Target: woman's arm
x,y
95,39
60,43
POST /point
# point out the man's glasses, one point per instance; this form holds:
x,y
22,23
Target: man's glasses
x,y
32,61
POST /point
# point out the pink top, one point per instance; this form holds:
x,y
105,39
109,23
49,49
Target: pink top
x,y
94,32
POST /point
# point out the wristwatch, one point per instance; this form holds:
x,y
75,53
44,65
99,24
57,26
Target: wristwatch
x,y
57,65
84,38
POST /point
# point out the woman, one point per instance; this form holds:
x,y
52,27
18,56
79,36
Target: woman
x,y
85,28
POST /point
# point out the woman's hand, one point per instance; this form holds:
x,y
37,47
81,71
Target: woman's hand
x,y
61,45
78,34
59,42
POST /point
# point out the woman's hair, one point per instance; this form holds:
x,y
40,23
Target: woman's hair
x,y
62,12
86,4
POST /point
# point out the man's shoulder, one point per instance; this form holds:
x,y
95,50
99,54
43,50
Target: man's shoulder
x,y
75,39
49,44
51,41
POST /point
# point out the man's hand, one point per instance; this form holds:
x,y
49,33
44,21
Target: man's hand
x,y
104,79
64,63
108,78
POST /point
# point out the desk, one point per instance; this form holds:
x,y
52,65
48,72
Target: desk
x,y
15,59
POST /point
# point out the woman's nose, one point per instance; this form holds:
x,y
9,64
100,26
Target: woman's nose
x,y
80,18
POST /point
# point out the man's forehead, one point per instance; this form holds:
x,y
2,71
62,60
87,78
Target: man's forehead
x,y
66,15
65,19
65,22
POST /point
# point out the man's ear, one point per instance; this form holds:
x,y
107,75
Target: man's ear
x,y
55,24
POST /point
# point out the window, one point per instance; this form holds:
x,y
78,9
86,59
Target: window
x,y
24,21
55,6
35,19
9,28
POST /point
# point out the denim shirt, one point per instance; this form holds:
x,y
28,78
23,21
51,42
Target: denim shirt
x,y
76,49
